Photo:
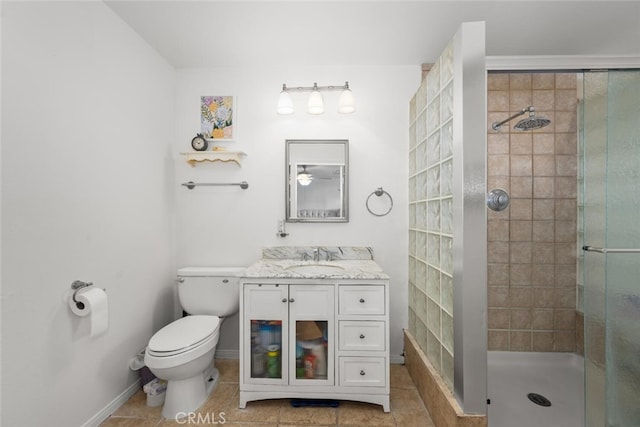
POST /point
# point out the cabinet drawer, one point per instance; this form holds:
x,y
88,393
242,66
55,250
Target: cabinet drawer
x,y
361,335
361,299
363,371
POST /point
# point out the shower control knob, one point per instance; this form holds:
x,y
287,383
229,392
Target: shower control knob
x,y
497,200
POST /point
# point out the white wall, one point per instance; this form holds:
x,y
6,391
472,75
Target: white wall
x,y
90,190
229,226
87,193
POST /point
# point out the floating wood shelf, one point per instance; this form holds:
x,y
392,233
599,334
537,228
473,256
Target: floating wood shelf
x,y
214,156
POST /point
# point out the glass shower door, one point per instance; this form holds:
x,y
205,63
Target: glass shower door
x,y
612,261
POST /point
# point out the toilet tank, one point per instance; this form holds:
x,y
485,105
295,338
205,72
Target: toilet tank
x,y
213,291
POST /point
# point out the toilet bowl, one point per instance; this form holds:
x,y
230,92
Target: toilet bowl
x,y
180,353
183,351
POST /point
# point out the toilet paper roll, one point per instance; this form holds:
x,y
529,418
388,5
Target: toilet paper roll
x,y
92,302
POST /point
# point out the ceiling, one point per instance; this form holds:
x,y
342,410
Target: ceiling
x,y
236,33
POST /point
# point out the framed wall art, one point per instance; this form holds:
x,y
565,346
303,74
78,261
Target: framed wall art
x,y
218,117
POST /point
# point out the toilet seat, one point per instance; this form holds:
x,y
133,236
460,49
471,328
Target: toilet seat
x,y
183,335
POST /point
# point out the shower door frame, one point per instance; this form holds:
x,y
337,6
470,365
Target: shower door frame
x,y
563,63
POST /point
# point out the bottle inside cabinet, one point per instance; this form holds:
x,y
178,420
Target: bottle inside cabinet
x,y
266,345
311,349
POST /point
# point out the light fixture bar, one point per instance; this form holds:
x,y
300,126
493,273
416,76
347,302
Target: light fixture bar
x,y
315,104
314,87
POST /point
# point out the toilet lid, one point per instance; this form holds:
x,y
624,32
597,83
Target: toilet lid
x,y
185,332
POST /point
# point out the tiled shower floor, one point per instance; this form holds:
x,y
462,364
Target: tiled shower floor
x,y
557,376
407,409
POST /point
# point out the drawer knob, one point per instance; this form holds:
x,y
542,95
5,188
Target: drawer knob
x,y
362,300
362,373
292,300
361,336
284,300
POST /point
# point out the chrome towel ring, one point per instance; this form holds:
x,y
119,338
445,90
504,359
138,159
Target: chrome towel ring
x,y
379,192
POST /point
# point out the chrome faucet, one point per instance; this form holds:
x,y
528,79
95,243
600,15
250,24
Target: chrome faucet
x,y
330,255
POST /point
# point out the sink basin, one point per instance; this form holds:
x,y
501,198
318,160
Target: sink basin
x,y
316,269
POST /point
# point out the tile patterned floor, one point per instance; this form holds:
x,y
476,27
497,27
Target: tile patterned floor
x,y
407,409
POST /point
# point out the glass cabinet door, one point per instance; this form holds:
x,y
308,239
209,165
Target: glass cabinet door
x,y
266,345
312,341
289,330
265,331
311,310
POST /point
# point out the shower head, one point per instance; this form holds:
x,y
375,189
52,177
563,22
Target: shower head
x,y
530,123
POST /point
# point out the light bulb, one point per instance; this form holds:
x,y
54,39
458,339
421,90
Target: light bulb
x,y
346,104
315,104
304,178
285,103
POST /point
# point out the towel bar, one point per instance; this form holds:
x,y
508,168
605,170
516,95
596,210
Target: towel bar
x,y
191,185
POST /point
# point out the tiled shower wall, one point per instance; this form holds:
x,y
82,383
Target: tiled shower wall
x,y
431,216
532,244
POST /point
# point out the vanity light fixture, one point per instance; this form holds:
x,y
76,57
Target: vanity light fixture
x,y
315,104
304,177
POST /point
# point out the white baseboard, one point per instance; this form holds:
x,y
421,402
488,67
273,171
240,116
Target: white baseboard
x,y
227,354
113,406
396,360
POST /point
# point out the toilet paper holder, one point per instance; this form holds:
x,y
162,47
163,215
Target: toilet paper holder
x,y
76,286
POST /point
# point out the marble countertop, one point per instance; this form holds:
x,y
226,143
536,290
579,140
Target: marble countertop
x,y
297,269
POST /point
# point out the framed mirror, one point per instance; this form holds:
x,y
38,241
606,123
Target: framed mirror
x,y
317,180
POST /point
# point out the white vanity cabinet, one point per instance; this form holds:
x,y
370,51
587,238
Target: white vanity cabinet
x,y
314,339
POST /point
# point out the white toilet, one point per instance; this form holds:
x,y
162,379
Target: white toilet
x,y
182,352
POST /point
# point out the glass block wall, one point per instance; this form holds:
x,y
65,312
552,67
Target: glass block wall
x,y
431,216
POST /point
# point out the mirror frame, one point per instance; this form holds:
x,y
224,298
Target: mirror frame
x,y
345,181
